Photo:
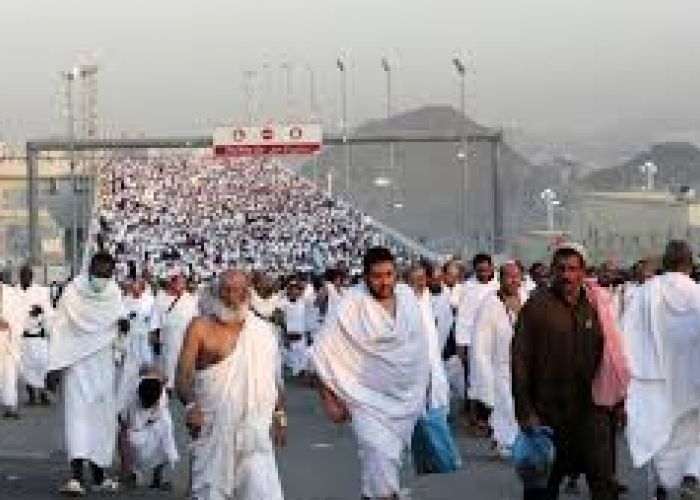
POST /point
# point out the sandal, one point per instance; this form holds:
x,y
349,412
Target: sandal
x,y
107,486
72,488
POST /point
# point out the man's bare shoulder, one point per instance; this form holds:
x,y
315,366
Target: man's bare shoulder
x,y
201,323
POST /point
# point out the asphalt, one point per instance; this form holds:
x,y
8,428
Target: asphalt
x,y
319,463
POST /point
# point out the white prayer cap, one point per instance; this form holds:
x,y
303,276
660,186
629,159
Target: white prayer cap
x,y
574,247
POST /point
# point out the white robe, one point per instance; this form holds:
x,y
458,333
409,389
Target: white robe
x,y
10,347
137,352
82,345
233,458
34,359
378,365
472,296
173,324
491,375
150,435
439,388
662,330
444,317
296,357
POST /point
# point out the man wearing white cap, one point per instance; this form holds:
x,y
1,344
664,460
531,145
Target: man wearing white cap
x,y
561,376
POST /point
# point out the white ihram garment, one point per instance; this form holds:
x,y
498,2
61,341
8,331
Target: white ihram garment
x,y
491,375
296,355
138,352
82,345
378,365
10,347
150,435
439,388
233,458
34,359
662,329
174,325
444,317
473,294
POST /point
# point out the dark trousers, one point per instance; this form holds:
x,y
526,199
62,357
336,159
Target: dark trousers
x,y
587,445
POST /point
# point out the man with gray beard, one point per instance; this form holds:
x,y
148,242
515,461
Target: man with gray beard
x,y
228,379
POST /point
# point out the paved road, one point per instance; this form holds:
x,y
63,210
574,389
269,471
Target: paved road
x,y
319,464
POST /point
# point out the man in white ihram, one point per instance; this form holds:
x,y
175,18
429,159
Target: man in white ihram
x,y
34,304
662,329
372,359
228,378
88,320
172,322
10,351
491,374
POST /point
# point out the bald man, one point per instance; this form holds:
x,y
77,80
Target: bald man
x,y
229,381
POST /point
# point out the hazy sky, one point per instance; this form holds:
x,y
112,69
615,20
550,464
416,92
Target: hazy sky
x,y
172,66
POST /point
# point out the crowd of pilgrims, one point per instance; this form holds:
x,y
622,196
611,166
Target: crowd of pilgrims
x,y
509,347
467,308
208,213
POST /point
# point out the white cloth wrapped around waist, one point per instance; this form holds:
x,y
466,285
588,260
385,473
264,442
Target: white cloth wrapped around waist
x,y
237,397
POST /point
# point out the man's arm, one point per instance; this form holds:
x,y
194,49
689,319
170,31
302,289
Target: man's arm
x,y
521,365
186,366
184,378
279,421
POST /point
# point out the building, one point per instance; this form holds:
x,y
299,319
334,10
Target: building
x,y
60,200
625,226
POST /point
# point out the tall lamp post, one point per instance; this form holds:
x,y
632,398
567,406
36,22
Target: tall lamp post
x,y
650,169
69,78
248,89
461,70
551,202
342,68
387,68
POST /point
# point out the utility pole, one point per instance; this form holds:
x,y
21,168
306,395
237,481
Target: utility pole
x,y
462,156
386,66
69,78
342,68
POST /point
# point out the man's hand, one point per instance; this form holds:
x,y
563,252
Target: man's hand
x,y
4,325
194,420
335,408
279,433
531,420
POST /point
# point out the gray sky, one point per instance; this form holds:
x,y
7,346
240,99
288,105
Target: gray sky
x,y
171,66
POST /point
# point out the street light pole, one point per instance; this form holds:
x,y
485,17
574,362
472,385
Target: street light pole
x,y
342,68
386,66
461,70
312,92
69,77
248,77
550,199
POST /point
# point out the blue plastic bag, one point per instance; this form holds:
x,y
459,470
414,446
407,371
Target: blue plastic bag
x,y
432,445
533,456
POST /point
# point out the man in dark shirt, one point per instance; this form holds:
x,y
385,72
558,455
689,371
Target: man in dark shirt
x,y
556,350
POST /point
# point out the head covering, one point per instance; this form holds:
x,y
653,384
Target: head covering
x,y
574,247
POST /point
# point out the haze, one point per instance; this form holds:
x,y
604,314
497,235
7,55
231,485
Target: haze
x,y
550,67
